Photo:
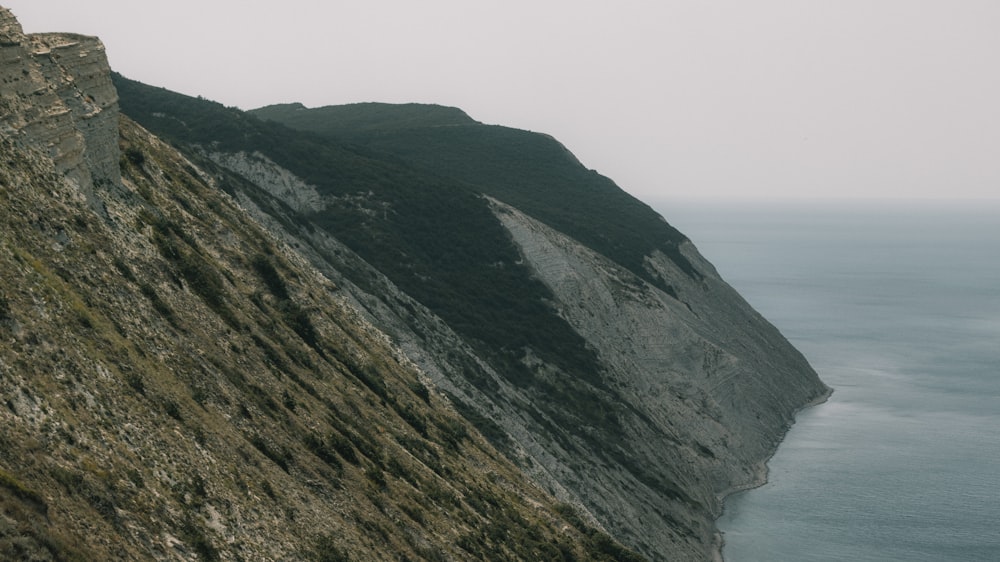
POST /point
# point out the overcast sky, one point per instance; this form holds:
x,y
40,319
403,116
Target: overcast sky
x,y
731,98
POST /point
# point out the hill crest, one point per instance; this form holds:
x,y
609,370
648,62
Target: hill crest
x,y
367,117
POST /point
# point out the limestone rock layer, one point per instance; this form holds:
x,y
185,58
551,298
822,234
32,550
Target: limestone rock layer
x,y
58,97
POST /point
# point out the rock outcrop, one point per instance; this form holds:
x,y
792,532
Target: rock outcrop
x,y
713,386
57,96
279,182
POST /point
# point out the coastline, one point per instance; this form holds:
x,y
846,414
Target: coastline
x,y
760,474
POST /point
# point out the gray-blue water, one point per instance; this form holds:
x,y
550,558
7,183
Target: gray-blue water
x,y
897,306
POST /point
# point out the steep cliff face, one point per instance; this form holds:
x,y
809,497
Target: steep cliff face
x,y
692,389
76,66
57,96
285,346
176,384
676,391
698,388
699,366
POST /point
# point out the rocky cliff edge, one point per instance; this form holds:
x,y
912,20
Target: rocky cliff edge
x,y
57,96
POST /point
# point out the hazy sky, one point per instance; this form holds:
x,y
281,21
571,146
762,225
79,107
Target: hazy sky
x,y
734,98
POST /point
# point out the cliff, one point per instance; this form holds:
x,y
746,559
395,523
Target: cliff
x,y
581,333
694,393
57,96
679,392
400,335
176,384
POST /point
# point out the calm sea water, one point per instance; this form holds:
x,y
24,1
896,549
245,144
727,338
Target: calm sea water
x,y
897,306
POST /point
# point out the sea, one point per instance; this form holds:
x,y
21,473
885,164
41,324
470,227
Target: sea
x,y
896,304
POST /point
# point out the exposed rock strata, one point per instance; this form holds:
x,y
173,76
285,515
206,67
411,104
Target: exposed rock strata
x,y
57,96
278,181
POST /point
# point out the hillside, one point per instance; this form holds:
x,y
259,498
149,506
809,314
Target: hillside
x,y
177,384
349,120
400,334
577,329
530,171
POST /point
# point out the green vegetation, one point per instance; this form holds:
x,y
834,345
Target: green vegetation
x,y
269,274
295,317
530,171
21,491
326,449
369,117
192,533
147,427
279,455
159,305
26,532
202,277
435,237
327,550
405,186
135,156
597,542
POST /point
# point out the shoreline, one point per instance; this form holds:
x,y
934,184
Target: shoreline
x,y
760,474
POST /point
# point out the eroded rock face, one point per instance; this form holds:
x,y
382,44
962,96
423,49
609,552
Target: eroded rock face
x,y
701,385
713,386
278,181
57,97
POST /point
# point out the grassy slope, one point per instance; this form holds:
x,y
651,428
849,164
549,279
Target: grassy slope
x,y
433,236
370,117
408,200
172,373
530,171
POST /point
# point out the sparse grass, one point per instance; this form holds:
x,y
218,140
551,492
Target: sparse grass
x,y
122,473
265,485
124,269
21,491
26,534
171,408
70,479
159,305
421,391
414,512
264,266
376,476
192,533
279,455
343,447
136,382
325,450
326,549
415,420
202,277
135,156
